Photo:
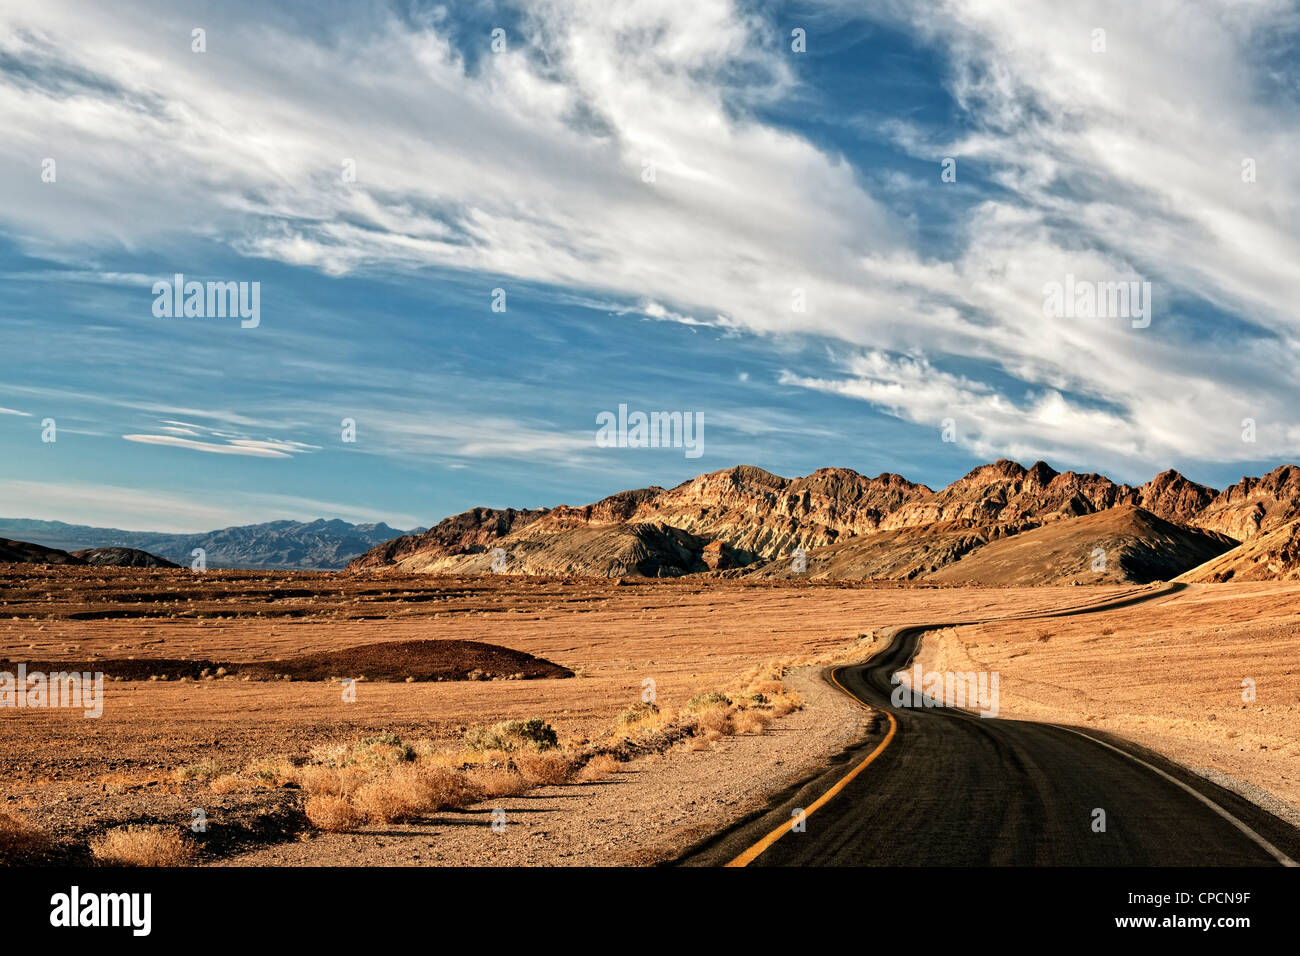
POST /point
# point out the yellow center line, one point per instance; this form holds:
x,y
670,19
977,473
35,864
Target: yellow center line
x,y
752,853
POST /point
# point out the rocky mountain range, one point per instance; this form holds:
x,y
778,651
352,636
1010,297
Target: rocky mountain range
x,y
1000,524
285,545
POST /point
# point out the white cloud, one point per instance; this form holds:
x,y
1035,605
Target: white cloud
x,y
250,448
530,165
192,437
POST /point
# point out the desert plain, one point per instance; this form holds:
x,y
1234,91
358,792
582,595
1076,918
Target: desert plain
x,y
648,755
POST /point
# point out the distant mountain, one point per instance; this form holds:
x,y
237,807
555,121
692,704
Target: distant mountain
x,y
290,545
744,520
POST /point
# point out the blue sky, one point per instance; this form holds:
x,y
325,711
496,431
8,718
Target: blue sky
x,y
778,176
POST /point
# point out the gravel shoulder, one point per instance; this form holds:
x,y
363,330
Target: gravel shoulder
x,y
648,813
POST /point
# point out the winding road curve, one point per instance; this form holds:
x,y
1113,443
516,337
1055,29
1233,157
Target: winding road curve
x,y
946,787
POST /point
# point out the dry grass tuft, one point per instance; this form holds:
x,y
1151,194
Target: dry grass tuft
x,y
20,840
272,772
715,719
206,770
601,765
396,795
750,721
327,812
491,782
330,781
388,800
786,703
228,783
543,768
142,846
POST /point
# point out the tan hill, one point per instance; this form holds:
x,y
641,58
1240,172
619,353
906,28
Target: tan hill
x,y
903,554
1255,506
611,551
469,532
122,558
1135,547
1273,556
763,515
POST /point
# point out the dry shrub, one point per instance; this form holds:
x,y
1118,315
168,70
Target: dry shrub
x,y
272,772
716,718
533,733
543,767
786,703
750,721
387,800
768,688
227,783
20,840
331,781
699,743
441,788
385,748
601,765
641,719
409,791
491,782
327,812
427,750
142,846
329,755
206,770
443,758
490,758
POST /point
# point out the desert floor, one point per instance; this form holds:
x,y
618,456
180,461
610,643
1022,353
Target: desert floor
x,y
1156,671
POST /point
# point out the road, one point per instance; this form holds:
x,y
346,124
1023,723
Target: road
x,y
946,787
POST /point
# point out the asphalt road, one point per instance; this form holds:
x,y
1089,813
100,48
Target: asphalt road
x,y
951,788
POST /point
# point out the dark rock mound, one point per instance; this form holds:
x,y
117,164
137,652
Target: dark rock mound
x,y
24,552
122,558
386,661
421,660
